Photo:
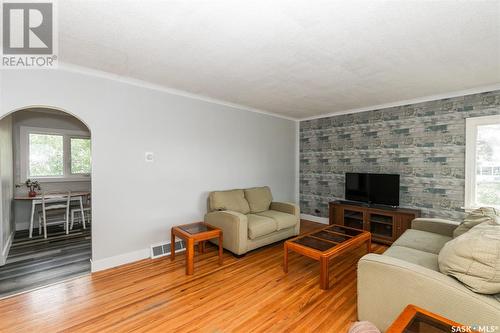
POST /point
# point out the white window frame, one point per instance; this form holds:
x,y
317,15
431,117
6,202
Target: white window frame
x,y
471,125
67,135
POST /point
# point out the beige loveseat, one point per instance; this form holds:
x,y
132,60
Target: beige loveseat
x,y
409,273
250,219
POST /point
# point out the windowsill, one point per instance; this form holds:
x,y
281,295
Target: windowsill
x,y
62,179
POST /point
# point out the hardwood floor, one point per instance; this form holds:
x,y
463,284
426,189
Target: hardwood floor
x,y
37,261
250,294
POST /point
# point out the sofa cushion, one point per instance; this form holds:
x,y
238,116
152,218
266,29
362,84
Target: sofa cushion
x,y
422,240
260,226
229,200
474,258
259,198
476,217
283,220
421,258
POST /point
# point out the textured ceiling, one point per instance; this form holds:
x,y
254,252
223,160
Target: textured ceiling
x,y
294,58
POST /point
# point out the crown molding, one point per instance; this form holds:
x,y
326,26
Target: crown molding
x,y
429,98
147,85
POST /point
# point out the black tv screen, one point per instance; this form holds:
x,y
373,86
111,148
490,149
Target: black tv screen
x,y
373,188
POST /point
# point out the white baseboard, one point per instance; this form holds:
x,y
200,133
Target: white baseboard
x,y
129,257
313,218
121,259
6,248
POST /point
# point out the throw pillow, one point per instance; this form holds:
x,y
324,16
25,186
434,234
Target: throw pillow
x,y
476,217
233,200
363,327
474,258
259,198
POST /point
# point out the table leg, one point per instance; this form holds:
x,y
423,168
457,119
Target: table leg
x,y
82,212
190,257
172,244
32,216
324,278
66,224
44,214
220,248
285,258
201,247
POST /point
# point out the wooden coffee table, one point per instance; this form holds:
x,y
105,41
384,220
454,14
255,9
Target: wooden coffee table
x,y
325,244
417,320
192,233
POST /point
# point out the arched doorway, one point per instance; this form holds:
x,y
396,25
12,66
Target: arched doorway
x,y
45,192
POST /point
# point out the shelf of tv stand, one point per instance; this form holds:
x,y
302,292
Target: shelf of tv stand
x,y
353,217
385,223
372,220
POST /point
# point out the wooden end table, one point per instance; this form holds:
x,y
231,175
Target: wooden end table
x,y
417,320
324,244
192,233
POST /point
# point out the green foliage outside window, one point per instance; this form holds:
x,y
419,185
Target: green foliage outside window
x,y
488,194
80,156
46,155
487,165
47,158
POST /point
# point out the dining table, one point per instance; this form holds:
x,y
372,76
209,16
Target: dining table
x,y
52,197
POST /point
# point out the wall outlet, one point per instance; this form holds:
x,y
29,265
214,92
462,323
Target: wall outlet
x,y
149,157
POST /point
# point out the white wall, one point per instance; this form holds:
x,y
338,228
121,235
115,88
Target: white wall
x,y
42,118
7,228
199,146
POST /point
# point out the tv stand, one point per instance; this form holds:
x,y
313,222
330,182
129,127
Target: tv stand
x,y
354,203
366,204
384,222
383,207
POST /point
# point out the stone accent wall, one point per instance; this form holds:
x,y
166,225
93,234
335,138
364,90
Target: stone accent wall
x,y
424,143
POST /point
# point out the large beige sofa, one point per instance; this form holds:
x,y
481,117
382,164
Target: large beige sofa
x,y
408,273
250,219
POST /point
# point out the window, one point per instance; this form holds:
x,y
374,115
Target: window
x,y
482,167
54,155
80,156
46,155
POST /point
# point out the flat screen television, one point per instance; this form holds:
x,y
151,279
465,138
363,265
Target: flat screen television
x,y
372,188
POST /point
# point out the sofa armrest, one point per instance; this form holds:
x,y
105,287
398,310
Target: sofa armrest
x,y
387,285
234,227
286,207
437,226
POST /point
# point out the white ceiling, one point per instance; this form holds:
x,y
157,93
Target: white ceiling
x,y
294,58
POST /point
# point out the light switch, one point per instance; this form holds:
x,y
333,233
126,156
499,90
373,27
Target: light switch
x,y
149,157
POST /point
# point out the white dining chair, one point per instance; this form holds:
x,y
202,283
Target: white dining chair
x,y
56,207
85,213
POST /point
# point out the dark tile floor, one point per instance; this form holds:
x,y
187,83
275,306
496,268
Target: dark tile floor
x,y
36,262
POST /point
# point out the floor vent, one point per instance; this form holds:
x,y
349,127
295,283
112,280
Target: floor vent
x,y
163,249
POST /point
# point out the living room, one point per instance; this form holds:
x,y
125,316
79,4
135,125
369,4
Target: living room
x,y
247,130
